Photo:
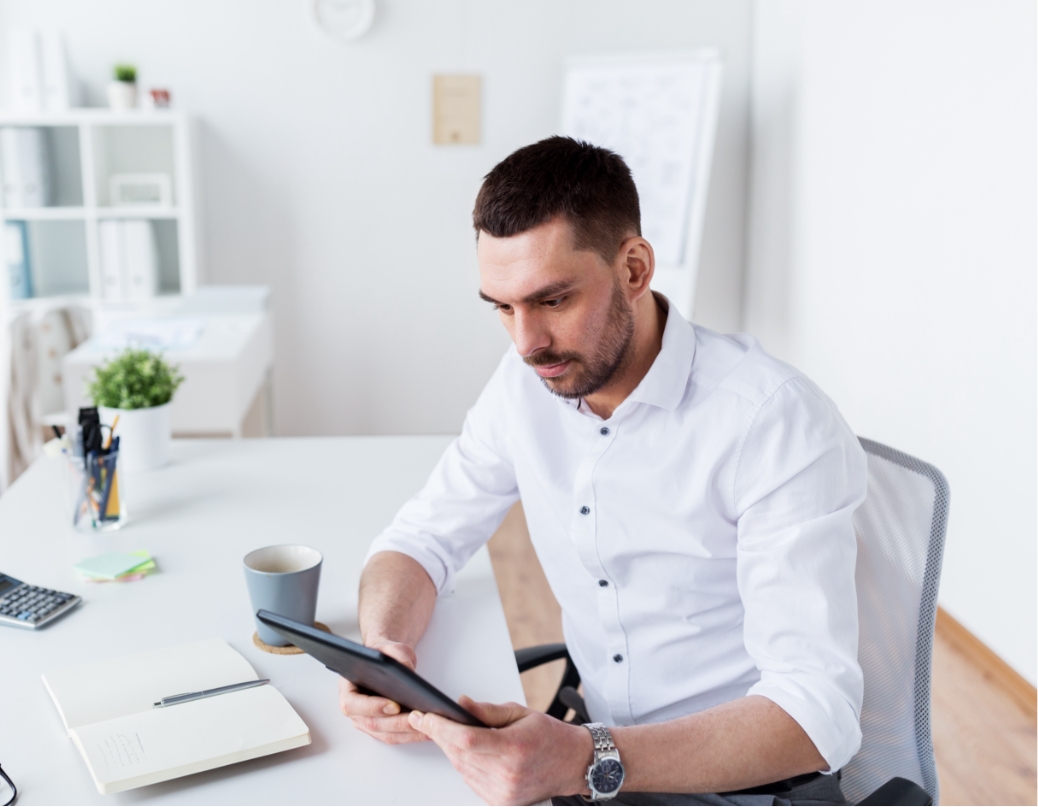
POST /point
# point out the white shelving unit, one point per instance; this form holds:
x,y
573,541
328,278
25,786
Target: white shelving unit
x,y
85,147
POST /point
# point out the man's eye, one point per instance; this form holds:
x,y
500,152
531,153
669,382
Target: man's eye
x,y
503,307
553,303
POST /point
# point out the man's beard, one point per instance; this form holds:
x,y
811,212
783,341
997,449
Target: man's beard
x,y
590,373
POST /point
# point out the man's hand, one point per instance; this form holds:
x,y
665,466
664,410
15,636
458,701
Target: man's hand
x,y
377,716
525,758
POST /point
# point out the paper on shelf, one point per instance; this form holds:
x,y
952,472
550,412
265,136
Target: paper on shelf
x,y
156,334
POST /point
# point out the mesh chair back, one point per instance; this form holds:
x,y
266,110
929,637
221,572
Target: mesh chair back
x,y
900,530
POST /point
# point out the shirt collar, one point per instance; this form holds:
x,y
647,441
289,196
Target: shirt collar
x,y
664,385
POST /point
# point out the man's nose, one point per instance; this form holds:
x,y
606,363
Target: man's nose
x,y
530,336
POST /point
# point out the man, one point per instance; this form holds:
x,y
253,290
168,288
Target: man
x,y
689,498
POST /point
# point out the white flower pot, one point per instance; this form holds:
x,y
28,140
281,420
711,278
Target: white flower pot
x,y
122,95
144,436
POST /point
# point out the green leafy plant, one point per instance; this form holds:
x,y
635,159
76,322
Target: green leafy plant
x,y
135,379
125,72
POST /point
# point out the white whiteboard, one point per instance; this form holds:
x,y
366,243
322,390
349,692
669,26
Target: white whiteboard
x,y
658,112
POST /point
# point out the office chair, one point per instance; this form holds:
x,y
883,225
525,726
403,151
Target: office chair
x,y
900,530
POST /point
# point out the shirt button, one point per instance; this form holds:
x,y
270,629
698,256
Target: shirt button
x,y
604,431
618,658
603,583
585,510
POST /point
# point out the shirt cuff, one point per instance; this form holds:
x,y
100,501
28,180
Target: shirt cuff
x,y
831,725
440,572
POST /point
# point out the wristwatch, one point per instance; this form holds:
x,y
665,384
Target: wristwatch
x,y
605,775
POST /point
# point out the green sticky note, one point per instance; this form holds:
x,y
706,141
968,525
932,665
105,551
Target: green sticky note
x,y
146,566
112,564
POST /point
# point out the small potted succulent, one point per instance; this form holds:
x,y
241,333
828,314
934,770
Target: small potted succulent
x,y
122,92
137,386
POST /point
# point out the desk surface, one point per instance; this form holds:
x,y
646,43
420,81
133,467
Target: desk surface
x,y
198,517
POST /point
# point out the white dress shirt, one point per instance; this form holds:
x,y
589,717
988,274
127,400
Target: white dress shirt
x,y
699,541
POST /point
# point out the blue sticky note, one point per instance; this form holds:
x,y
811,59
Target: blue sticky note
x,y
110,565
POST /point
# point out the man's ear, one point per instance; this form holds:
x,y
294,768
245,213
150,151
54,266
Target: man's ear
x,y
638,265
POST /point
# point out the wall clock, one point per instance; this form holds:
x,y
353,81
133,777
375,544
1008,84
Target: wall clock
x,y
345,19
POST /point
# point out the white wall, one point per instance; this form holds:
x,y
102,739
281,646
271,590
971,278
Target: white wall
x,y
319,177
892,256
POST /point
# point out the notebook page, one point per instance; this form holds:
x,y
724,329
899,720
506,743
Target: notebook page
x,y
162,744
102,690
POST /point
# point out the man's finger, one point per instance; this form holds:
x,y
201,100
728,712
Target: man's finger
x,y
401,652
371,724
496,715
357,704
352,702
398,737
467,739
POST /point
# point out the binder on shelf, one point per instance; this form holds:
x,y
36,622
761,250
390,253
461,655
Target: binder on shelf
x,y
10,168
25,167
26,80
111,259
129,259
40,77
16,250
140,259
59,88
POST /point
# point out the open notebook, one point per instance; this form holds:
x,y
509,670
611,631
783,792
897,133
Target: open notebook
x,y
107,707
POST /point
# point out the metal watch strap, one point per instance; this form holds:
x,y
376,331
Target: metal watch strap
x,y
601,737
602,740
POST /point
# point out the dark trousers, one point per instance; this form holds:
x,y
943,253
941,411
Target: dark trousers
x,y
811,788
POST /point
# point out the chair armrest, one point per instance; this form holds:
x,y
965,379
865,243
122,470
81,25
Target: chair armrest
x,y
529,657
899,791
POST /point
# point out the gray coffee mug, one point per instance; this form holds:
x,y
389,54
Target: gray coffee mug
x,y
283,579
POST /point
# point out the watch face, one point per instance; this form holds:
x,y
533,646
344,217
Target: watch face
x,y
607,776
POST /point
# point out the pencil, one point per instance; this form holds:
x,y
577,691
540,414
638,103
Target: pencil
x,y
111,432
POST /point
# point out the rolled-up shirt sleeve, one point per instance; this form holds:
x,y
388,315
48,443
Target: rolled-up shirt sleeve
x,y
801,475
465,499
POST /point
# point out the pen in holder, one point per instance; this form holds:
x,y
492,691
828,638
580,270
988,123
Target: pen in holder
x,y
98,490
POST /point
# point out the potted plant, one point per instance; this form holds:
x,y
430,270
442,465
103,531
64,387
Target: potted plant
x,y
122,93
137,386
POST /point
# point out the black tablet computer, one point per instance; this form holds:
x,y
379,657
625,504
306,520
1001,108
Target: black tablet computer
x,y
369,669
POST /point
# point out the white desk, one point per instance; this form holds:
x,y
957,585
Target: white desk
x,y
198,517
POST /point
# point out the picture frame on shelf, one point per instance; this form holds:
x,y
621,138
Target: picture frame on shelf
x,y
152,190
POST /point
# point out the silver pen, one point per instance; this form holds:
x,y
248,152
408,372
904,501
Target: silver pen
x,y
173,700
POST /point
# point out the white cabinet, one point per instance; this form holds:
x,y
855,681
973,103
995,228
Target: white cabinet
x,y
69,228
226,376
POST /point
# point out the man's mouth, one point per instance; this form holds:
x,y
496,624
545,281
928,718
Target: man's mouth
x,y
551,370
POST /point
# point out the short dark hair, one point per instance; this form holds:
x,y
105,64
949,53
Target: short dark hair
x,y
590,186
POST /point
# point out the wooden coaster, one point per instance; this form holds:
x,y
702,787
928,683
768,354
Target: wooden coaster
x,y
287,650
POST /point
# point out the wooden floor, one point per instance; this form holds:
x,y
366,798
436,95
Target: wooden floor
x,y
984,739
